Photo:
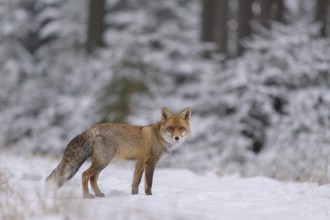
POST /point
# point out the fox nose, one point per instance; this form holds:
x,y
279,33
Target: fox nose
x,y
177,138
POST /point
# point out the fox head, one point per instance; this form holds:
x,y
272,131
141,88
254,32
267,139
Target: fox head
x,y
175,128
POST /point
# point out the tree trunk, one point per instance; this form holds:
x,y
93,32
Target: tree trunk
x,y
95,25
208,20
220,29
271,10
321,15
265,13
244,23
279,9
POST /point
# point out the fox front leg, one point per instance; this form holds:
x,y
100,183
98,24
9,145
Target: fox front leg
x,y
139,168
149,173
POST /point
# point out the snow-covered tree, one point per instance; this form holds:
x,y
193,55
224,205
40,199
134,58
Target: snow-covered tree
x,y
266,112
48,84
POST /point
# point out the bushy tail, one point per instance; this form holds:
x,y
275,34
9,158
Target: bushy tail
x,y
77,151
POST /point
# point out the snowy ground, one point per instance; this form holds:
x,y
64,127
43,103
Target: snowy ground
x,y
177,194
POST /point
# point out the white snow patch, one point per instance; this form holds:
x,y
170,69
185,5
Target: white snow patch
x,y
177,194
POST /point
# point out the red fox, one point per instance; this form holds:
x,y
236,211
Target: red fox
x,y
103,142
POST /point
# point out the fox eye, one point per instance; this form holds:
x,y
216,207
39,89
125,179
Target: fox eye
x,y
182,129
171,128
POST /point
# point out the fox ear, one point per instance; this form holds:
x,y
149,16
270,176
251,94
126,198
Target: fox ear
x,y
166,114
185,113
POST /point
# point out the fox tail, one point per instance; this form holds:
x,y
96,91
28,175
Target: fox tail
x,y
77,151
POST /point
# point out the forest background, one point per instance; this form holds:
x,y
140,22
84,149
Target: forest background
x,y
255,73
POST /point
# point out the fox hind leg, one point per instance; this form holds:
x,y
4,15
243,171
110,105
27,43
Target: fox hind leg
x,y
94,185
85,178
91,174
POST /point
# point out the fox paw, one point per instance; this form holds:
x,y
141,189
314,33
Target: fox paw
x,y
99,194
148,192
88,196
135,191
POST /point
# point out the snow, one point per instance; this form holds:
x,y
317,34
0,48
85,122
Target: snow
x,y
277,95
273,99
50,29
177,194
